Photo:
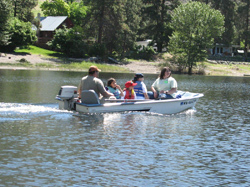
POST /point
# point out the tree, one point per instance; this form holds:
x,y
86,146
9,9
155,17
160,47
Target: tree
x,y
128,33
5,12
55,8
77,12
69,41
114,23
156,19
22,9
243,10
228,9
22,35
195,26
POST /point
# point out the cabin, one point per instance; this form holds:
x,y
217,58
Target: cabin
x,y
224,50
48,27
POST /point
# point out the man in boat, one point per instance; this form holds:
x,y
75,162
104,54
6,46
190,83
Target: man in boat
x,y
92,82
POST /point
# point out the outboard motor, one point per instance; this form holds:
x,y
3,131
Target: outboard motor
x,y
67,97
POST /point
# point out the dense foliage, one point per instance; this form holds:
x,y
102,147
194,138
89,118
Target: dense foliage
x,y
156,18
70,42
5,10
21,35
22,9
195,26
55,8
111,28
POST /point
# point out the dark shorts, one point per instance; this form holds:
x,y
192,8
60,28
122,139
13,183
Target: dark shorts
x,y
151,96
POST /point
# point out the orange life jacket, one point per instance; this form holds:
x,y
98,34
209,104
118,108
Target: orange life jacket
x,y
130,94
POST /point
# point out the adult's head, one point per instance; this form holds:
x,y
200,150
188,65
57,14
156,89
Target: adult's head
x,y
138,76
165,73
94,71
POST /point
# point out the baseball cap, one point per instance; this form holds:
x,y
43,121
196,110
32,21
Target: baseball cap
x,y
130,83
139,75
93,68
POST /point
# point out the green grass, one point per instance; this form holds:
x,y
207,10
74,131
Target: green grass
x,y
222,69
40,51
84,66
17,64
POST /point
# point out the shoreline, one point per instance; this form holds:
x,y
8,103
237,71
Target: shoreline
x,y
134,66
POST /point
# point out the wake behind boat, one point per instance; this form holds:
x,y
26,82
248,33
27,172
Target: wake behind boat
x,y
90,103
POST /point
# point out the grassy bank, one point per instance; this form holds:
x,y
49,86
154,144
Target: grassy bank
x,y
56,60
38,58
212,69
226,70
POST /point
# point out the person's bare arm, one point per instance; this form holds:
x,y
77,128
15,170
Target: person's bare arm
x,y
155,92
173,90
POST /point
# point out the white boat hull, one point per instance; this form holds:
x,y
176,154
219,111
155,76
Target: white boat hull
x,y
170,106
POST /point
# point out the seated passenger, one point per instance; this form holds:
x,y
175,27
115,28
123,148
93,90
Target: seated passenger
x,y
114,88
140,88
165,85
129,92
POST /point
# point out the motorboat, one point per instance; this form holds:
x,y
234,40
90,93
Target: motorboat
x,y
90,103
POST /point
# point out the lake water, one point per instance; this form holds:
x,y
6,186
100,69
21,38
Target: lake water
x,y
43,146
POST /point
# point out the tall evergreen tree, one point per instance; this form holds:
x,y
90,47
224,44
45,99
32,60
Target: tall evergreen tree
x,y
243,25
131,25
156,17
22,9
113,23
5,13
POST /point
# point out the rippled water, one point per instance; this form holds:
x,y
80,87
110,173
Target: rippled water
x,y
43,146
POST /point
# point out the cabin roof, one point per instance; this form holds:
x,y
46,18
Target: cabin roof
x,y
51,23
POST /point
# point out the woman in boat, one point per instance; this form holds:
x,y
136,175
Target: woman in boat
x,y
165,85
114,88
129,92
140,88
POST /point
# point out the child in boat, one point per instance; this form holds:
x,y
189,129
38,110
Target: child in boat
x,y
114,88
129,92
140,89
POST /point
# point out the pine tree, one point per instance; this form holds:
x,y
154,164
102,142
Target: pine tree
x,y
5,13
156,18
113,23
22,9
243,10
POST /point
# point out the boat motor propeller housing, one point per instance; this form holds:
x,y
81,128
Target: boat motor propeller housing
x,y
67,94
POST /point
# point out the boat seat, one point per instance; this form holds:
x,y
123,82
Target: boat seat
x,y
89,97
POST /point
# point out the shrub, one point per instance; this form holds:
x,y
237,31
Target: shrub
x,y
97,50
69,41
21,35
146,53
23,60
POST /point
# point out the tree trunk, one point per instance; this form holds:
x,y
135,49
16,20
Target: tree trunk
x,y
100,30
247,31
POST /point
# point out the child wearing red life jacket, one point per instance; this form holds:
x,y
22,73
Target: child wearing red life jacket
x,y
129,92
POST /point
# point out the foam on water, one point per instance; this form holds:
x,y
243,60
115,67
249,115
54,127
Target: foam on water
x,y
26,111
